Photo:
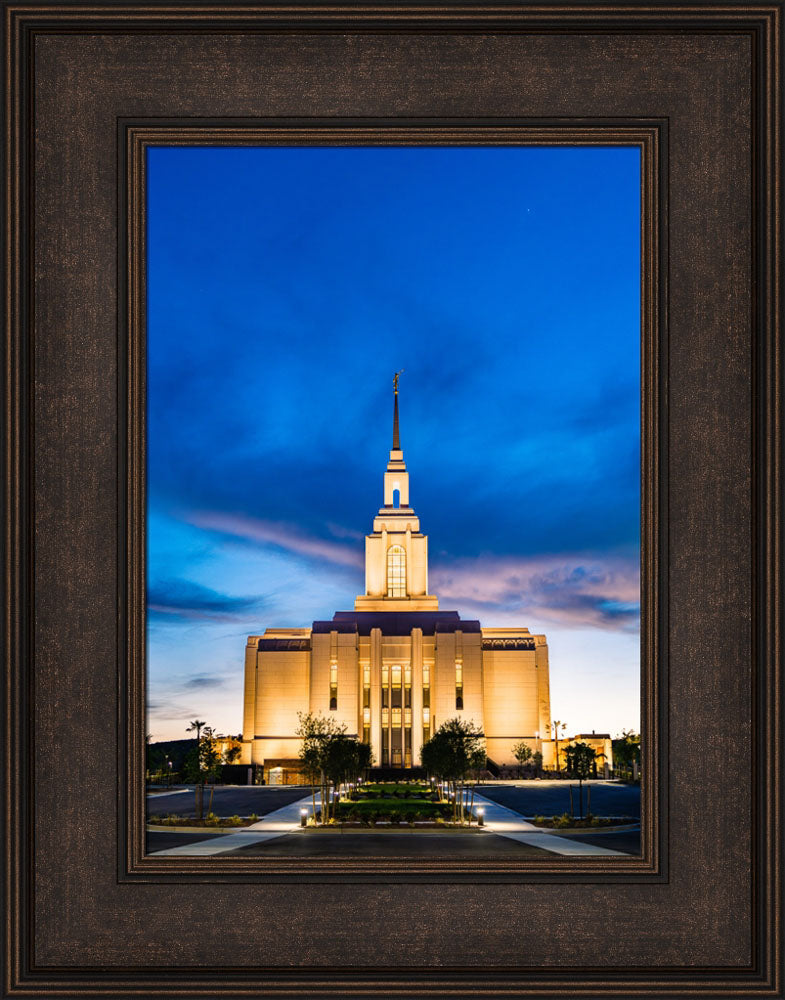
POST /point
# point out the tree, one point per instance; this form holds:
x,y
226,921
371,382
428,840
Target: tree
x,y
627,750
193,765
580,759
522,752
556,726
197,725
537,762
209,761
452,753
320,761
156,758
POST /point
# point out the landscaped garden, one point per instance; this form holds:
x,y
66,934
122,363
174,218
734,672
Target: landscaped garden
x,y
392,803
210,820
567,822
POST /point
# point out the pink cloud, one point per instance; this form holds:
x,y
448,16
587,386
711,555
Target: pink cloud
x,y
572,590
278,533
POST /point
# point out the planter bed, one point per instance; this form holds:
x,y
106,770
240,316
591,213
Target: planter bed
x,y
224,822
595,823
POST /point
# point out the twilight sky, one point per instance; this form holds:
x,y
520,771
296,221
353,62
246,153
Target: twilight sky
x,y
285,287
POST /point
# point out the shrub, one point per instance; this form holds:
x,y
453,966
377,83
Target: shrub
x,y
539,820
253,818
563,820
211,819
236,820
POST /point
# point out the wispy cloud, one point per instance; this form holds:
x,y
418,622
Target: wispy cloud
x,y
183,600
199,681
572,590
279,534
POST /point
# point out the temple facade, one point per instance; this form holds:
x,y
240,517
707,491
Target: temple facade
x,y
397,666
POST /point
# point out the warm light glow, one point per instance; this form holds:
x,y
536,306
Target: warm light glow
x,y
396,571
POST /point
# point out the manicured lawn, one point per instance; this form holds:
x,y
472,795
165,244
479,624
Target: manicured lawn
x,y
393,809
394,802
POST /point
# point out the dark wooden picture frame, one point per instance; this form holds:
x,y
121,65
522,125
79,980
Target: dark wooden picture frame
x,y
697,86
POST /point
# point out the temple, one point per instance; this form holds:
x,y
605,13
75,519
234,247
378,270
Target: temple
x,y
396,667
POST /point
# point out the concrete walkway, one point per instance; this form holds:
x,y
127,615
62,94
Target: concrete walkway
x,y
506,823
274,824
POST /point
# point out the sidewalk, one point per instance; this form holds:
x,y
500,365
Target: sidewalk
x,y
506,823
275,824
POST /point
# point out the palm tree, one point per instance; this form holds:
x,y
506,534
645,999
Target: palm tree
x,y
556,725
197,725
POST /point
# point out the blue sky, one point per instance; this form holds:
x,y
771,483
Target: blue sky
x,y
285,286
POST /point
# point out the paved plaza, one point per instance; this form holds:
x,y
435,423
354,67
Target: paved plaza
x,y
507,831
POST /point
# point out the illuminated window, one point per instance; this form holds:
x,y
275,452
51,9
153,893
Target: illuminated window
x,y
333,686
458,685
385,686
366,725
396,718
426,684
395,690
396,571
366,686
426,716
407,686
407,717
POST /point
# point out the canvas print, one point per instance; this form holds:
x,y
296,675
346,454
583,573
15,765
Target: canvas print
x,y
393,501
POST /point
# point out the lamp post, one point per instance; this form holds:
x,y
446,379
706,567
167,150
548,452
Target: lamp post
x,y
480,815
303,816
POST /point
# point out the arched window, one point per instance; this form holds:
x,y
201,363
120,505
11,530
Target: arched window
x,y
396,571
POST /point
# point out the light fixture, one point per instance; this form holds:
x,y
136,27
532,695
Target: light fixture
x,y
481,816
303,816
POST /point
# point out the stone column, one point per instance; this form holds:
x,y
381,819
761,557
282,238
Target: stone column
x,y
416,695
408,560
376,694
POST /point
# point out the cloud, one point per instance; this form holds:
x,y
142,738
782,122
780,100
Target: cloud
x,y
571,590
200,681
183,600
279,534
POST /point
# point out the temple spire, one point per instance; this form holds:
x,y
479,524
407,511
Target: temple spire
x,y
396,437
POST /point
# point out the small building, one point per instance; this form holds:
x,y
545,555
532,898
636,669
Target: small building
x,y
601,744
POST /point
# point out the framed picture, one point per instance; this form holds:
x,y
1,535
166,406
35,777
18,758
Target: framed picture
x,y
135,139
